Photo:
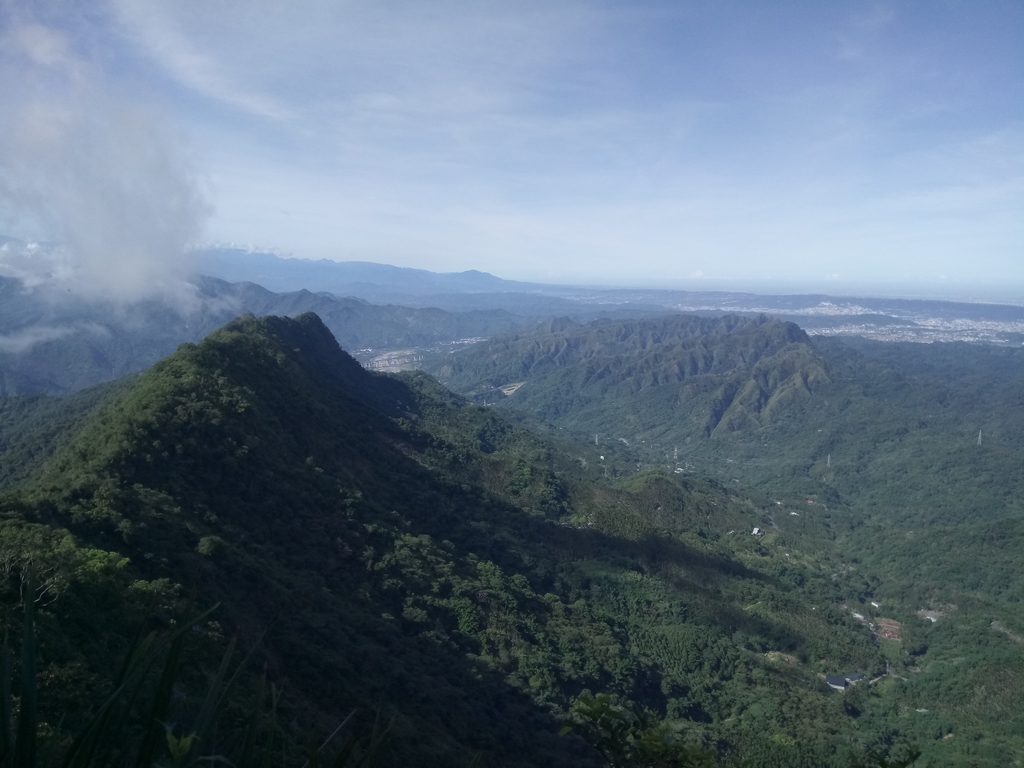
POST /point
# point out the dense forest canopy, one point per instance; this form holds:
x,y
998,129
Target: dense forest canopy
x,y
380,543
910,453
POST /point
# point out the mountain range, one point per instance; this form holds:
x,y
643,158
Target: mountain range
x,y
909,453
391,317
473,598
888,318
60,347
383,544
758,401
704,516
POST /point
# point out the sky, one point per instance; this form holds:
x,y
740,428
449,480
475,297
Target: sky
x,y
675,144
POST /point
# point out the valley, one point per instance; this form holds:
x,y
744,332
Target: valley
x,y
710,517
500,557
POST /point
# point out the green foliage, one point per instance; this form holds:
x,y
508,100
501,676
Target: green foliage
x,y
113,736
474,576
628,737
868,471
33,427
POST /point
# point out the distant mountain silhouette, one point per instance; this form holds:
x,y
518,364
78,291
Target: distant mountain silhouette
x,y
61,347
345,277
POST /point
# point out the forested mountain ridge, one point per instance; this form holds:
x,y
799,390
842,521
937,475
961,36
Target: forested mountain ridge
x,y
401,546
727,372
58,344
832,414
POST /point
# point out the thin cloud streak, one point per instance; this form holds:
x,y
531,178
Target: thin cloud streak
x,y
23,340
158,32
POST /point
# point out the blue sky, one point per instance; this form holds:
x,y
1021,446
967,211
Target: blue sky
x,y
646,143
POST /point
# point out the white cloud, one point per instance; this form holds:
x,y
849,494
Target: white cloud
x,y
84,164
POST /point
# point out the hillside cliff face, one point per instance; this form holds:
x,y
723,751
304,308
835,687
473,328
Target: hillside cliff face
x,y
729,373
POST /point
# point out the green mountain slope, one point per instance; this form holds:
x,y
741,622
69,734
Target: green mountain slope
x,y
713,375
916,449
402,548
33,427
759,401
